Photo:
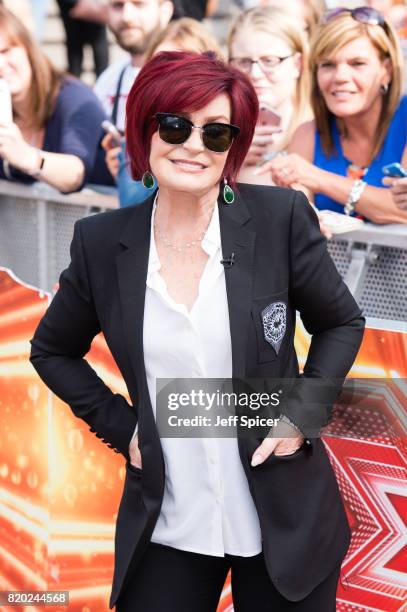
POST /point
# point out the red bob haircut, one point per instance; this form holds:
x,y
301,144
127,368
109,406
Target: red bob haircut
x,y
180,81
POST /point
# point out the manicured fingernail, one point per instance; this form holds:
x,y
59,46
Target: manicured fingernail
x,y
257,459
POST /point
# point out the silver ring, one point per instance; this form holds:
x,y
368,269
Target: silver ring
x,y
284,171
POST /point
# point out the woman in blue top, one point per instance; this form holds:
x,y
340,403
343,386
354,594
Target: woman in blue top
x,y
54,129
360,121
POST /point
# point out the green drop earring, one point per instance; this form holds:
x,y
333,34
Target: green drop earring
x,y
228,193
148,180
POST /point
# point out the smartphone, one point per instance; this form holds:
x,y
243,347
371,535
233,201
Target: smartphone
x,y
395,170
6,106
111,129
268,116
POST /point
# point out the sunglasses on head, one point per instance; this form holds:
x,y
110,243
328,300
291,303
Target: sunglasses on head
x,y
175,129
363,14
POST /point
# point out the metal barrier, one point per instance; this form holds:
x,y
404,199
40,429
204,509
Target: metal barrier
x,y
36,225
373,262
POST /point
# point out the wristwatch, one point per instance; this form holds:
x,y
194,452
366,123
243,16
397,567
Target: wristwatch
x,y
37,173
284,419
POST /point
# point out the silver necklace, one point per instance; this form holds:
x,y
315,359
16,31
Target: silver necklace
x,y
187,245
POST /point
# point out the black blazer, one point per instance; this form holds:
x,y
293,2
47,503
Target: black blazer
x,y
280,255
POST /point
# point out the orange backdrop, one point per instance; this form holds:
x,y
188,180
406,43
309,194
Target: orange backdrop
x,y
60,487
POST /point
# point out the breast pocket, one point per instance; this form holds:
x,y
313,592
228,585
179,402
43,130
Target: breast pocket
x,y
272,322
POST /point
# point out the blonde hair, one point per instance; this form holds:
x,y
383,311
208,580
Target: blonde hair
x,y
330,38
275,22
45,80
187,35
315,10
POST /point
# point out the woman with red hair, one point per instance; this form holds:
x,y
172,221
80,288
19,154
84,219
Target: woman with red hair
x,y
202,281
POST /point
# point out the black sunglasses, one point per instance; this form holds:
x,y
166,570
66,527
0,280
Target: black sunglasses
x,y
363,14
175,129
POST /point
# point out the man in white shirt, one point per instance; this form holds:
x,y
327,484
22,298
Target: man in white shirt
x,y
134,23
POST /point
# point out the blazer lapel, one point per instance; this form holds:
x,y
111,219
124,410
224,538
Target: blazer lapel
x,y
132,266
239,240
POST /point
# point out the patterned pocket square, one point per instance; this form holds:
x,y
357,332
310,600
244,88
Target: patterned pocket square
x,y
274,318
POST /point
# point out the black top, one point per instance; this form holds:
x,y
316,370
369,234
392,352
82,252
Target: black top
x,y
196,9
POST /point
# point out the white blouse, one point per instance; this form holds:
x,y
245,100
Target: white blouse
x,y
207,506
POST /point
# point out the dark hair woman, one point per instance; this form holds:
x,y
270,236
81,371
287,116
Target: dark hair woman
x,y
202,281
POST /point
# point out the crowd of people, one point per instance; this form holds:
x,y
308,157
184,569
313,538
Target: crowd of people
x,y
329,85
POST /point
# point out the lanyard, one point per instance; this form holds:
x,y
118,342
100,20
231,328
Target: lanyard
x,y
117,96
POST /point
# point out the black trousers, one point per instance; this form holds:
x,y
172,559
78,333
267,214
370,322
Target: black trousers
x,y
80,33
172,580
